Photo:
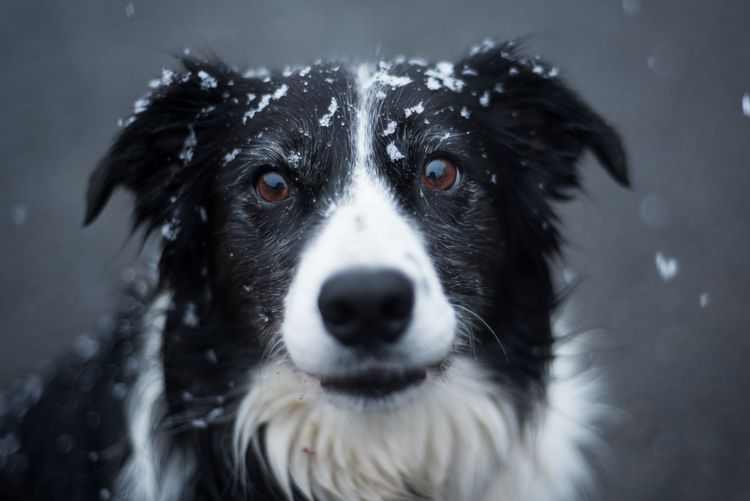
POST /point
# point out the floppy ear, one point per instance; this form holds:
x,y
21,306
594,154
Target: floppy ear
x,y
151,155
164,157
530,104
538,128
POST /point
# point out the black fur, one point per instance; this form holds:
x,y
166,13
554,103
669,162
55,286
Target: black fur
x,y
228,258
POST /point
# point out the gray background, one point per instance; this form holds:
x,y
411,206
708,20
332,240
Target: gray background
x,y
669,73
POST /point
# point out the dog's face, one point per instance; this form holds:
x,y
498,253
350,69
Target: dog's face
x,y
363,225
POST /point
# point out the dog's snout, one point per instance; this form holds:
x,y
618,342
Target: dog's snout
x,y
367,307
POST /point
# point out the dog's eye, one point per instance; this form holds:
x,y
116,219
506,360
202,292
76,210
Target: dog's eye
x,y
272,186
440,174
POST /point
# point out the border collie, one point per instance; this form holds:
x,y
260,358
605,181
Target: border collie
x,y
354,298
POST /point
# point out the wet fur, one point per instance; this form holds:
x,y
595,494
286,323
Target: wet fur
x,y
197,422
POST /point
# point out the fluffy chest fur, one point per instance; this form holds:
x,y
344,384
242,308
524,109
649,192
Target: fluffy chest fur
x,y
462,441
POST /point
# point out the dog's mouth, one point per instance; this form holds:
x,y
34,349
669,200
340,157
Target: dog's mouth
x,y
375,384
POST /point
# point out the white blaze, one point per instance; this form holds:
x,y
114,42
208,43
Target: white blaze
x,y
366,230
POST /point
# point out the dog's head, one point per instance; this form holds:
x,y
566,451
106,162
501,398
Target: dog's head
x,y
364,225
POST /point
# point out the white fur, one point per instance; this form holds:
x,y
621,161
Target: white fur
x,y
550,463
365,229
460,440
155,471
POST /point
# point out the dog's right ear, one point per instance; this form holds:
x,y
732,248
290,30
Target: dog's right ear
x,y
157,155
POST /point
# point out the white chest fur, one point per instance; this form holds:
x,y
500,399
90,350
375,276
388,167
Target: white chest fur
x,y
461,440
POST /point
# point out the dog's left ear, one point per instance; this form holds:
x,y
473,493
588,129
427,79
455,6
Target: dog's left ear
x,y
530,111
155,155
166,157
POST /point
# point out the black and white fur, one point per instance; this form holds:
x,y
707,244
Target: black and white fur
x,y
210,388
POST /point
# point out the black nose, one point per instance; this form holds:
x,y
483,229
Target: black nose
x,y
367,307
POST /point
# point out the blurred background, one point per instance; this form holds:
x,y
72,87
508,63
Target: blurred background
x,y
663,270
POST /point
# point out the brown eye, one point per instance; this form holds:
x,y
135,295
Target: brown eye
x,y
440,174
272,186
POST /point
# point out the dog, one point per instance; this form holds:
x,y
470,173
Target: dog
x,y
353,299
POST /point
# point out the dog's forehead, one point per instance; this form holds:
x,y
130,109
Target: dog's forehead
x,y
411,102
331,108
301,101
325,90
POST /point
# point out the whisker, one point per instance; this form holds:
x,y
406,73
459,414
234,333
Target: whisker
x,y
466,333
492,331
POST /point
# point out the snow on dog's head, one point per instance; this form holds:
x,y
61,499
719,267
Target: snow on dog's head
x,y
347,241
